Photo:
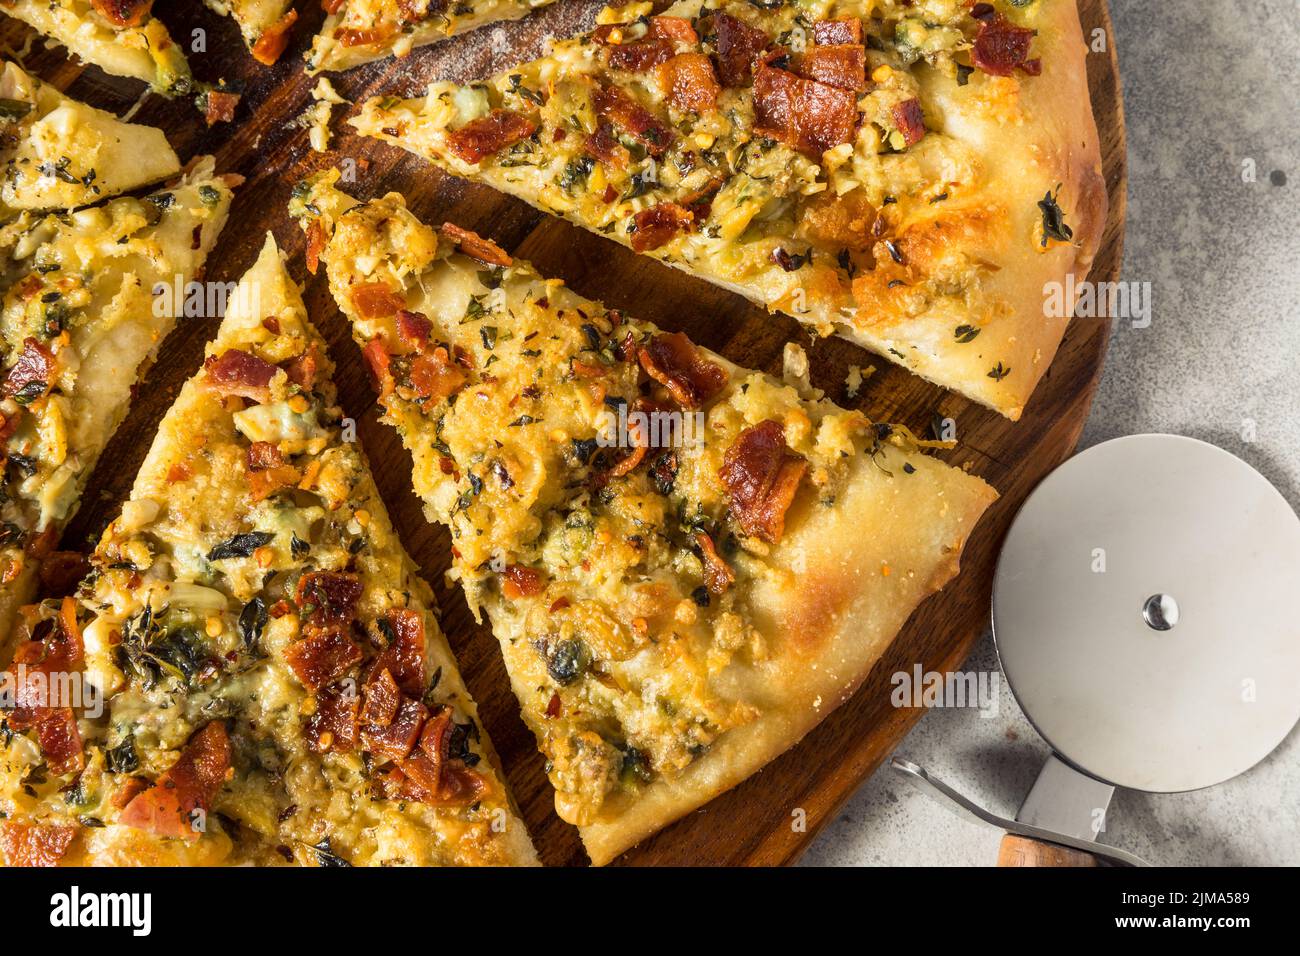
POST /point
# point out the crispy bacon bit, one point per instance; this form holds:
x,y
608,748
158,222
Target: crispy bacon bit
x,y
429,775
315,244
673,361
168,807
383,697
9,424
678,29
328,597
35,367
739,45
485,136
909,120
221,107
604,146
132,788
844,66
837,32
45,666
27,844
263,484
181,471
718,575
555,706
761,476
523,582
123,13
475,246
268,47
375,300
62,571
396,739
263,454
377,357
658,224
404,656
350,37
689,82
434,377
236,372
335,725
301,369
809,116
640,55
414,328
60,741
632,118
1001,46
322,657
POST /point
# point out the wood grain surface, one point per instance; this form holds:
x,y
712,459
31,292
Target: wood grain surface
x,y
757,822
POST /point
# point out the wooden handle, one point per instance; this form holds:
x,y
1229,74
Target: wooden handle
x,y
1022,851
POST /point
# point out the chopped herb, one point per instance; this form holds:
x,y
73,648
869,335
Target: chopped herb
x,y
252,621
241,545
998,372
1054,226
965,333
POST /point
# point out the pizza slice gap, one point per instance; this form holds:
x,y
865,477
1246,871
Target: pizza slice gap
x,y
264,24
361,31
687,564
917,182
121,37
273,682
58,153
87,299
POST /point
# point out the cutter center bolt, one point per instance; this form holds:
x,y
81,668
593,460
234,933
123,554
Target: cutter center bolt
x,y
1160,612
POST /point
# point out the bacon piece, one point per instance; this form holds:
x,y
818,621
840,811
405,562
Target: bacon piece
x,y
658,224
404,656
301,369
761,476
268,47
738,46
809,116
414,328
29,844
523,582
190,784
383,697
397,739
335,726
430,776
678,29
377,357
236,372
718,575
837,32
328,597
844,66
263,454
123,13
220,107
1001,46
475,246
689,82
433,377
640,55
263,484
315,244
38,678
35,366
322,657
909,120
375,300
632,118
60,740
673,361
350,36
485,136
604,146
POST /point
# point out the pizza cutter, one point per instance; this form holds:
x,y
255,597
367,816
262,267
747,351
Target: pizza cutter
x,y
1144,614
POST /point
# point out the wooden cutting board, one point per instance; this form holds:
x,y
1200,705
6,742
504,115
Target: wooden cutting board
x,y
773,816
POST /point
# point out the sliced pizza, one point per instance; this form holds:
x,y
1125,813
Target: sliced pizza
x,y
121,37
268,680
358,31
58,153
913,177
88,297
265,24
687,564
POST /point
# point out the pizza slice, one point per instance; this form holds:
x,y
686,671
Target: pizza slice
x,y
686,563
915,178
264,677
88,298
265,24
121,37
359,31
58,153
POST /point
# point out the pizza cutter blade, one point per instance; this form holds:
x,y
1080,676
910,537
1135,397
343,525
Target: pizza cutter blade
x,y
1144,613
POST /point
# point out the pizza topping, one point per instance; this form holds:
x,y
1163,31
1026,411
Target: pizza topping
x,y
523,582
761,475
168,808
274,39
26,844
844,66
475,246
39,669
718,575
316,240
403,658
673,361
1000,45
689,82
433,376
604,146
632,118
809,116
375,300
414,328
335,726
395,740
380,361
483,137
32,375
219,106
837,32
641,55
328,597
236,372
738,45
263,454
383,697
123,13
322,657
301,370
659,224
909,120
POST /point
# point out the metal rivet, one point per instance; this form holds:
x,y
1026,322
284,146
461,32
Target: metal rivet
x,y
1160,612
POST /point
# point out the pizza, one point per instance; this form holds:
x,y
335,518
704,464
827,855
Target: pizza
x,y
57,153
359,31
265,24
272,683
80,321
909,175
121,37
687,564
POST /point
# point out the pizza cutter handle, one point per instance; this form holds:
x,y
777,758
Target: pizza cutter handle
x,y
1017,850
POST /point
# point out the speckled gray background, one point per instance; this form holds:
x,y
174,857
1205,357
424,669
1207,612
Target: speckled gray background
x,y
1210,89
